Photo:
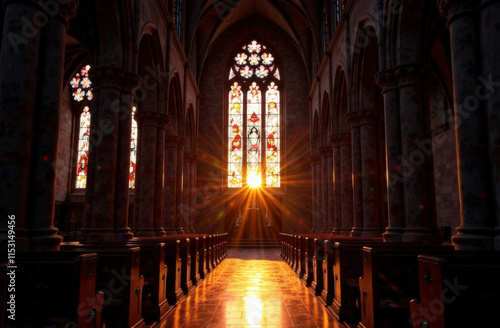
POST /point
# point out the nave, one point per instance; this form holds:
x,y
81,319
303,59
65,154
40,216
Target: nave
x,y
251,288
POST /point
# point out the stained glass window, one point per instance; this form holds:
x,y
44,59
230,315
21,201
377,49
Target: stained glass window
x,y
254,118
83,148
82,93
133,151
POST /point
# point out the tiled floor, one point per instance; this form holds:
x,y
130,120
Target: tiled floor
x,y
251,288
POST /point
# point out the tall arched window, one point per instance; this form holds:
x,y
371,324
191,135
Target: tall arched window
x,y
254,136
133,151
82,93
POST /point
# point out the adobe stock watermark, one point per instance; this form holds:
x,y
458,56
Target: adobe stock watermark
x,y
424,148
428,313
32,26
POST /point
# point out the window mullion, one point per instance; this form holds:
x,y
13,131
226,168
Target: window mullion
x,y
263,138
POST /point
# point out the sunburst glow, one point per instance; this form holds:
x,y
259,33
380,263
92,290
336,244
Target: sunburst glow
x,y
254,181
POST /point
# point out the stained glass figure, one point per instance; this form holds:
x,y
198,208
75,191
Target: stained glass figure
x,y
83,148
273,136
133,151
235,156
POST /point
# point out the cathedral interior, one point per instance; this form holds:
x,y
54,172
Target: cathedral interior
x,y
250,163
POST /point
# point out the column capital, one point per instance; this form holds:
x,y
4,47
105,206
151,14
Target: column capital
x,y
386,80
362,117
182,142
409,74
163,120
325,151
107,77
148,118
171,141
451,9
131,82
340,139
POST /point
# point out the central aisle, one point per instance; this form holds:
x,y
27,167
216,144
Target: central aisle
x,y
251,288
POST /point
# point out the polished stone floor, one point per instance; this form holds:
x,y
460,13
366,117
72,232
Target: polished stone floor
x,y
251,288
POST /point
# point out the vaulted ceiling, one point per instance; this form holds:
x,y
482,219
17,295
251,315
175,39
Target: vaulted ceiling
x,y
209,19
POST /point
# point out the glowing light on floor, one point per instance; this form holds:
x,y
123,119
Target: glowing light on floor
x,y
253,309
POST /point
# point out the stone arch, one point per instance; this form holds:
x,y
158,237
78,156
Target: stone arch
x,y
340,107
326,128
175,108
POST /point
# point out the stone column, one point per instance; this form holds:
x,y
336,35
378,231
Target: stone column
x,y
319,192
314,215
186,177
332,223
343,140
336,188
395,188
372,227
179,216
102,169
43,234
475,230
163,121
121,224
326,172
147,123
170,185
357,186
192,196
18,90
420,220
490,14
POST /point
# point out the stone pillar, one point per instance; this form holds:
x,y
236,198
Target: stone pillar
x,y
319,192
170,185
192,196
147,124
332,223
490,14
18,90
121,224
43,234
102,169
159,170
420,224
372,227
395,188
186,189
326,173
314,215
475,230
343,142
336,188
357,186
179,216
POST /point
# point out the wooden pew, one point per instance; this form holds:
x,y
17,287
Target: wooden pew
x,y
56,288
328,293
305,253
118,277
459,290
203,251
390,281
155,272
210,253
195,258
185,256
